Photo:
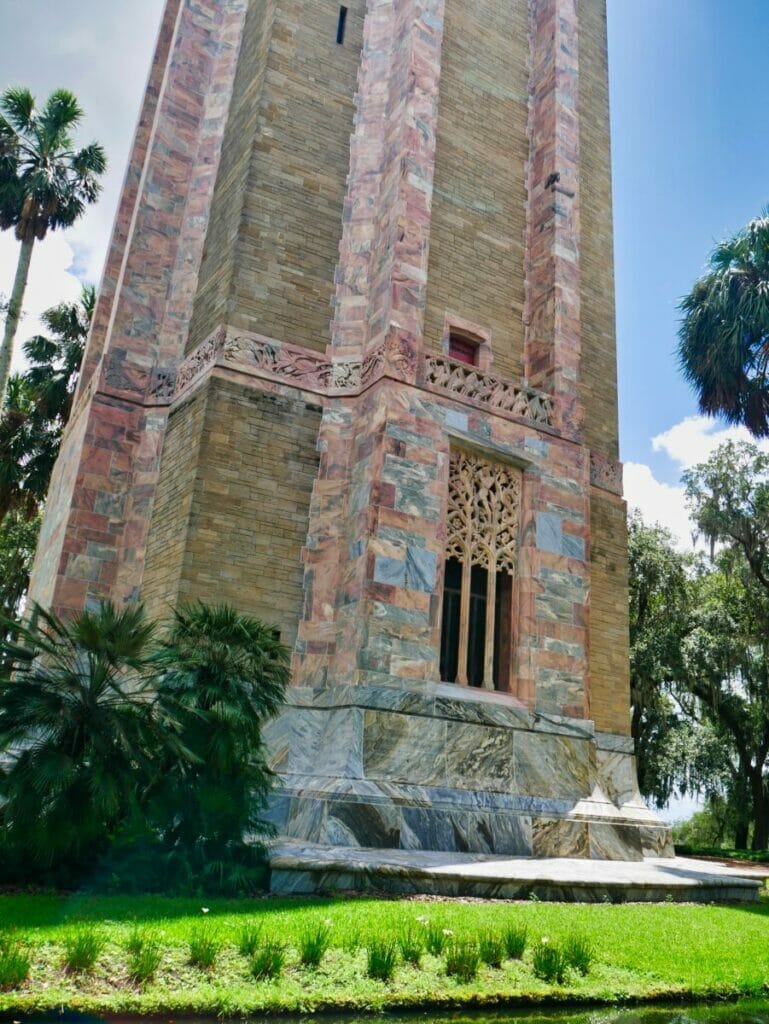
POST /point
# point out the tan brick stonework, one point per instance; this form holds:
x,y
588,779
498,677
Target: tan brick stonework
x,y
232,505
269,261
479,203
609,637
598,369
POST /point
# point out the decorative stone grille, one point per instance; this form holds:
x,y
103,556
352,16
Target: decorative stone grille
x,y
471,384
484,511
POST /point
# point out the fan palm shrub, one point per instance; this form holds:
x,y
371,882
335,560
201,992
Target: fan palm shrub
x,y
219,674
77,733
133,758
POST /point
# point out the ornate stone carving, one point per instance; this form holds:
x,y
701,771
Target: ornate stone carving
x,y
204,355
470,383
605,473
484,512
162,384
291,363
312,371
372,367
482,529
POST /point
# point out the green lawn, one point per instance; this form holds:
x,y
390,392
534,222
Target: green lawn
x,y
642,952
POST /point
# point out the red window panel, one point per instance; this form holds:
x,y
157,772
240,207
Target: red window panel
x,y
463,350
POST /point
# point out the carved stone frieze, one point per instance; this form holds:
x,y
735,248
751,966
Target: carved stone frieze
x,y
605,473
288,362
313,371
204,355
469,383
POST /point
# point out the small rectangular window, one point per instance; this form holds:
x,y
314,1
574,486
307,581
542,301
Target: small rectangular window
x,y
341,25
463,350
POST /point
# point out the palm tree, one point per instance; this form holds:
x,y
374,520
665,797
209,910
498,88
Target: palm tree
x,y
76,730
724,334
38,403
45,183
54,361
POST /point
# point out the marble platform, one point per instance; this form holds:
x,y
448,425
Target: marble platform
x,y
434,767
303,869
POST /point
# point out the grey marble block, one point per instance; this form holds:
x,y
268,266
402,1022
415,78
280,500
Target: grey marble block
x,y
436,767
558,838
404,748
614,842
360,824
479,757
551,766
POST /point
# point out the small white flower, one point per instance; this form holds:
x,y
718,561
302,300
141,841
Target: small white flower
x,y
423,920
204,910
545,939
447,931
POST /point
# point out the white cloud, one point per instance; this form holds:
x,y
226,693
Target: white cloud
x,y
685,444
658,502
51,280
694,439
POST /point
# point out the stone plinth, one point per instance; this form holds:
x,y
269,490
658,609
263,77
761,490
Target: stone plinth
x,y
303,869
445,768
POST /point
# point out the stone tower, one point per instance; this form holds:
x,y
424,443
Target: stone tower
x,y
353,370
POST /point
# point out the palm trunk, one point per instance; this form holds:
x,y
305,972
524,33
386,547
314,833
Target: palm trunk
x,y
14,314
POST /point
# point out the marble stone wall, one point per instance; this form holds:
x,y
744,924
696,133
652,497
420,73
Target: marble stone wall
x,y
442,770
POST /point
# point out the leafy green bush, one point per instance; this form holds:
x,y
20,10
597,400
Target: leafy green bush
x,y
268,960
82,948
382,956
412,945
515,937
249,939
548,962
578,952
145,954
491,948
205,945
463,959
313,943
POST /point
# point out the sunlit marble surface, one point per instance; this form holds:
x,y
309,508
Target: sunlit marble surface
x,y
308,868
442,767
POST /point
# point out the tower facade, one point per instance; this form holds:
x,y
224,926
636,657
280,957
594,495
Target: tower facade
x,y
353,370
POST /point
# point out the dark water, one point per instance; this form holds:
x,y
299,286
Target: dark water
x,y
747,1012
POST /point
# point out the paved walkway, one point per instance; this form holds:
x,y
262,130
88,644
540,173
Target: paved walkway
x,y
307,868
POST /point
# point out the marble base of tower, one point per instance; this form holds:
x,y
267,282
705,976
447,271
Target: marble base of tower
x,y
444,768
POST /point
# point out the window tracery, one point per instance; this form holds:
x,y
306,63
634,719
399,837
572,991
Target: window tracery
x,y
484,504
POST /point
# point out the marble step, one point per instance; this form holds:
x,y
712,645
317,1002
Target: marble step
x,y
306,868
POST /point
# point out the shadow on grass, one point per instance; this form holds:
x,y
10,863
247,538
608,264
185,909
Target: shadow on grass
x,y
46,910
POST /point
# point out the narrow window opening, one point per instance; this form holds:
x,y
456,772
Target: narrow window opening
x,y
481,554
476,667
463,349
341,25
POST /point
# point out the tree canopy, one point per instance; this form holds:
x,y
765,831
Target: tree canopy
x,y
700,645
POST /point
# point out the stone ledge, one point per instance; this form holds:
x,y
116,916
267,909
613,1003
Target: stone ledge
x,y
304,868
444,700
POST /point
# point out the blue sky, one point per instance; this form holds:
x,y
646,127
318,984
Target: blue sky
x,y
691,164
690,137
